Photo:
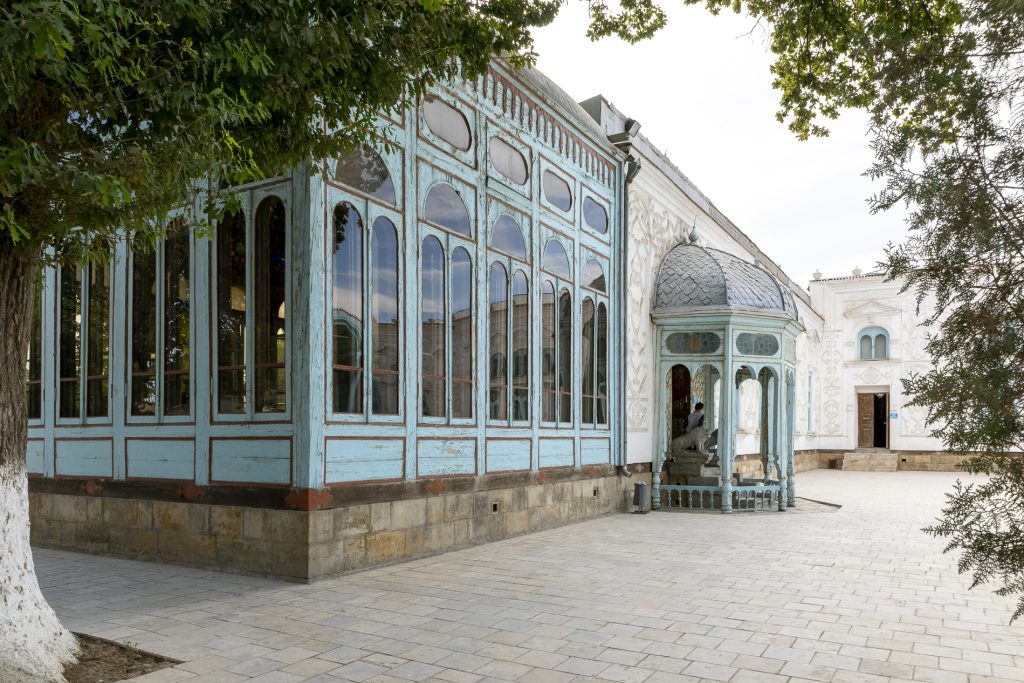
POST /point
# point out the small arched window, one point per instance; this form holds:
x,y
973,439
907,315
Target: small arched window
x,y
498,299
587,348
509,161
445,207
507,237
873,344
462,334
520,347
347,309
565,356
447,122
593,276
555,260
549,357
557,191
432,331
363,169
386,338
595,216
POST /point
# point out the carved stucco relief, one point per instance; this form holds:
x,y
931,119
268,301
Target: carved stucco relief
x,y
653,231
832,385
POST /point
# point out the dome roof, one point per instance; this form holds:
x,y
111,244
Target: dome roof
x,y
693,277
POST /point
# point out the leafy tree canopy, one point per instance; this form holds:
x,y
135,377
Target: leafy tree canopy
x,y
111,109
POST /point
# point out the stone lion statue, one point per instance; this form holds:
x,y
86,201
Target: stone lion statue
x,y
692,440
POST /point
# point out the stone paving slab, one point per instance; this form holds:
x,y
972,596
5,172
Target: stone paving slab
x,y
856,596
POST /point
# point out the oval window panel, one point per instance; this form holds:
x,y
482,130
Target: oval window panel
x,y
508,161
446,122
557,191
594,215
693,342
750,344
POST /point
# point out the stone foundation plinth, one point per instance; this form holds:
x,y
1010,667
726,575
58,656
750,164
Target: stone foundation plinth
x,y
303,545
867,461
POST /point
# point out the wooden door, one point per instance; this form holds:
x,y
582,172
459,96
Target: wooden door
x,y
865,420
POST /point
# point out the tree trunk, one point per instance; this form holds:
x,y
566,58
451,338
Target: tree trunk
x,y
34,646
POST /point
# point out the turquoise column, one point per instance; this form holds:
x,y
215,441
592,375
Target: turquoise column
x,y
727,426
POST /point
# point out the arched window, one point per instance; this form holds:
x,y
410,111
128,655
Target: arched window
x,y
462,334
347,309
507,237
520,347
549,317
873,344
587,349
602,364
232,299
445,207
557,191
432,328
594,215
509,161
160,296
593,276
34,362
269,276
363,169
565,356
386,338
555,260
498,300
447,122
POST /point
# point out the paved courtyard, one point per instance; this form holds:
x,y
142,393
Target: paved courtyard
x,y
856,595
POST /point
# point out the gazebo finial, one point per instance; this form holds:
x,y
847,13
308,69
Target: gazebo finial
x,y
694,237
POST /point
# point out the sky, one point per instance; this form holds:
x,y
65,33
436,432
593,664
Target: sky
x,y
701,89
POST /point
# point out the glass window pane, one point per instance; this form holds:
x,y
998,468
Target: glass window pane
x,y
594,215
364,169
548,361
97,362
177,323
498,299
445,207
269,276
143,334
508,237
557,191
555,260
34,362
509,161
462,334
231,306
446,122
602,364
70,340
865,347
593,276
347,309
386,341
881,352
520,347
587,360
565,357
751,344
432,328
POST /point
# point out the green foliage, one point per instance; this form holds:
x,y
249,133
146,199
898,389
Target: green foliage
x,y
943,82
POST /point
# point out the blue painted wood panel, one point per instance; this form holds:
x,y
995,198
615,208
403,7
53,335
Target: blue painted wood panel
x,y
84,457
505,455
160,458
445,457
255,461
36,456
595,451
557,453
363,459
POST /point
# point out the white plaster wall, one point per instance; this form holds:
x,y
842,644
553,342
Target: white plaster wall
x,y
849,305
661,215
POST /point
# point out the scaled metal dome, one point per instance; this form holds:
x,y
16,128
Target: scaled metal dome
x,y
692,277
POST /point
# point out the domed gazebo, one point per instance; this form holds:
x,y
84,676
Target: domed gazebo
x,y
717,316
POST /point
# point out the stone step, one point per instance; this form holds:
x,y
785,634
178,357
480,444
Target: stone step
x,y
870,461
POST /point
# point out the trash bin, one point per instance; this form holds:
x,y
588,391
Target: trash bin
x,y
641,498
